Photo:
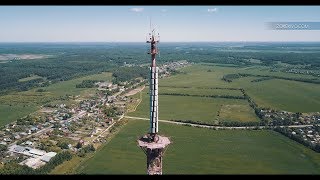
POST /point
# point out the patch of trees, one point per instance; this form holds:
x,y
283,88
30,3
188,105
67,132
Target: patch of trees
x,y
41,90
117,125
223,123
254,106
240,124
87,84
111,111
202,87
63,145
11,82
314,80
194,122
46,145
277,121
219,88
231,77
79,145
13,168
86,149
28,120
109,92
262,79
73,127
3,150
317,128
176,72
55,161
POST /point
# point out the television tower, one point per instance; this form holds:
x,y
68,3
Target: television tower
x,y
153,144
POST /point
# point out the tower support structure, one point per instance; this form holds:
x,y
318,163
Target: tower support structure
x,y
154,147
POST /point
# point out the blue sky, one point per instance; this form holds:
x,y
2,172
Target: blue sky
x,y
174,23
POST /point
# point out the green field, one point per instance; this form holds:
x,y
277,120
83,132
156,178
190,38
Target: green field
x,y
32,99
198,76
9,113
26,97
202,109
205,151
200,91
278,94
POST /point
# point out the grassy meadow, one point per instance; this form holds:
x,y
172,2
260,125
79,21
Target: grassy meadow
x,y
69,87
282,94
200,91
9,113
239,111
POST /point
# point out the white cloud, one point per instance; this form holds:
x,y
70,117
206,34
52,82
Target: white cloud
x,y
136,9
212,10
164,10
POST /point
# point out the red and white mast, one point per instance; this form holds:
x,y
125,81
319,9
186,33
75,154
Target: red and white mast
x,y
154,111
152,144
